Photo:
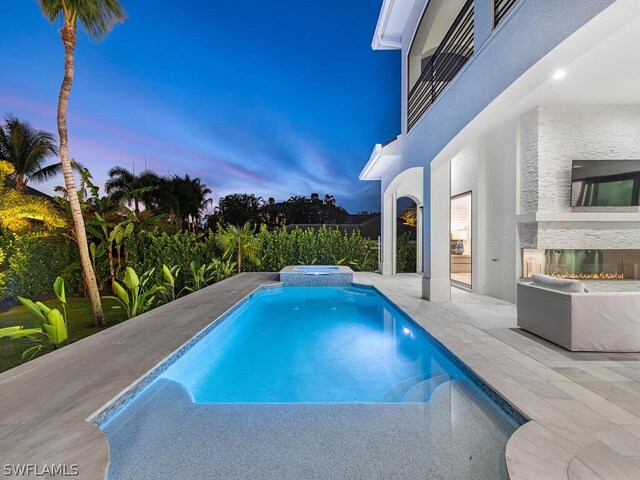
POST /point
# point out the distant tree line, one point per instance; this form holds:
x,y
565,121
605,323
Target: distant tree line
x,y
183,201
241,208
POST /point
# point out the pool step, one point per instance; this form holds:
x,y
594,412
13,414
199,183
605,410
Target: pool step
x,y
400,389
422,391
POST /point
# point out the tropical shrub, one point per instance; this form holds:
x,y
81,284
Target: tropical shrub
x,y
139,294
240,241
50,330
20,212
201,276
30,263
406,254
169,292
223,268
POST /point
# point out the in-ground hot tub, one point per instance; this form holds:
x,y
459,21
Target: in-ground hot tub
x,y
316,276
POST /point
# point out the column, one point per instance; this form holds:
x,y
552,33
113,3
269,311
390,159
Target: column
x,y
389,206
436,280
419,245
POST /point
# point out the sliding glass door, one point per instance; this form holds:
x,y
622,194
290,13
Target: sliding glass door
x,y
460,248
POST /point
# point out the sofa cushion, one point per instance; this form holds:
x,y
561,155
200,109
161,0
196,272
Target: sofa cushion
x,y
559,284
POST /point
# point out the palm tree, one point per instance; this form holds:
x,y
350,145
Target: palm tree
x,y
196,200
27,149
123,184
409,216
241,240
97,17
182,199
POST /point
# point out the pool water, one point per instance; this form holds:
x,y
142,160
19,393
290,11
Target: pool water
x,y
312,382
310,344
316,268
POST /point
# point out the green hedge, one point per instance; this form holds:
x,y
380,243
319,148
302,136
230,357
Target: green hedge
x,y
153,249
321,247
406,254
29,264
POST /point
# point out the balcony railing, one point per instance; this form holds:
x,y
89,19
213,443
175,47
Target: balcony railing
x,y
448,59
501,9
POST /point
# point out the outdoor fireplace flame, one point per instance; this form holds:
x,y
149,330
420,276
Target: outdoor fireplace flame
x,y
589,276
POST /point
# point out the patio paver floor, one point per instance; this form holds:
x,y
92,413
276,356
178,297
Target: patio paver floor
x,y
584,406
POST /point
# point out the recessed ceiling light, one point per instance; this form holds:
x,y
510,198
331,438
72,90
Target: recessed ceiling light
x,y
559,74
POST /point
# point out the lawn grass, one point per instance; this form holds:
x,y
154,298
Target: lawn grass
x,y
79,316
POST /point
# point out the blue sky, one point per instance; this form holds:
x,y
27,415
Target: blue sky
x,y
276,98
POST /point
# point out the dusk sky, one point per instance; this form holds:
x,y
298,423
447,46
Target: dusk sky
x,y
275,98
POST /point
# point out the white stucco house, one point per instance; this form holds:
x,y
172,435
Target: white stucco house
x,y
501,102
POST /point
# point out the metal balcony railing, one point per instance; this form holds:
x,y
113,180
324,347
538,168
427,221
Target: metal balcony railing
x,y
501,9
448,59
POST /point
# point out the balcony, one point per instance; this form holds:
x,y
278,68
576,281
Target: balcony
x,y
501,9
441,66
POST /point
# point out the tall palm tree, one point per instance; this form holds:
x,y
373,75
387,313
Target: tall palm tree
x,y
123,184
97,17
239,240
27,149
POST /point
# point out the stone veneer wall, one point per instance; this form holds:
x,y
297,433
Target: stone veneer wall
x,y
529,162
551,137
603,235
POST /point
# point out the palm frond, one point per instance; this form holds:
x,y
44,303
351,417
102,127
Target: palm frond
x,y
96,17
47,173
27,149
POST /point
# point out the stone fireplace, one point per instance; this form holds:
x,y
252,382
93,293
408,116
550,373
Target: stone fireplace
x,y
600,245
583,264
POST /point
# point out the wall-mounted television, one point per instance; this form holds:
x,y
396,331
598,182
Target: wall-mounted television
x,y
605,183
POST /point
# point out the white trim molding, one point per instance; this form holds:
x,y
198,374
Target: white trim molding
x,y
391,23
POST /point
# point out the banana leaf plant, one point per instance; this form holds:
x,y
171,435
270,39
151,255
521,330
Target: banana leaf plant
x,y
201,276
136,296
223,268
113,237
168,291
50,330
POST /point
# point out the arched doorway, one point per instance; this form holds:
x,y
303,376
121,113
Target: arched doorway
x,y
403,191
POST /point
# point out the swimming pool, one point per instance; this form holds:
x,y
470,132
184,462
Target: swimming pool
x,y
344,359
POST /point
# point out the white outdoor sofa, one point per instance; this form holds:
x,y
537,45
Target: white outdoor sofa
x,y
563,312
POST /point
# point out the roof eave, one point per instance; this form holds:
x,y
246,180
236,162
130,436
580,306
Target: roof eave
x,y
393,16
381,155
365,174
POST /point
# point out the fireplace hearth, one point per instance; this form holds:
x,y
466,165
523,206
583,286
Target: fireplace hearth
x,y
589,276
582,264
